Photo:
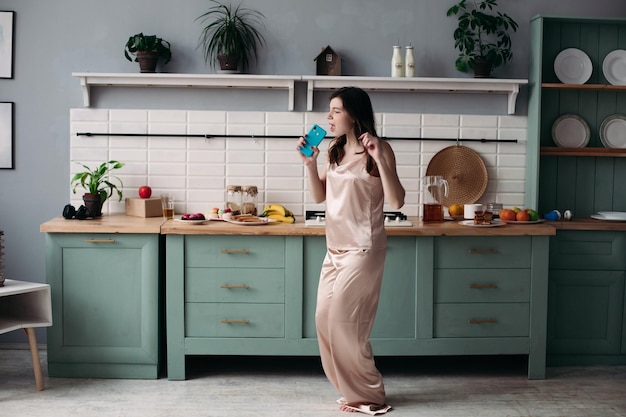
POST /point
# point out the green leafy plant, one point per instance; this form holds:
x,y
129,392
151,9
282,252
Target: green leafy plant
x,y
232,32
147,43
98,181
481,34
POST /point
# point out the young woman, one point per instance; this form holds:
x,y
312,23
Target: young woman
x,y
359,174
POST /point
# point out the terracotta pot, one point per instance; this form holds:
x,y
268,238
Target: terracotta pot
x,y
228,62
482,68
93,204
147,60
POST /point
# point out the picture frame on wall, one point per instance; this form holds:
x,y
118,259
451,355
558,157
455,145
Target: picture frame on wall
x,y
7,21
7,151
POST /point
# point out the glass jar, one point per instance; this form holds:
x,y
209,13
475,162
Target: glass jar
x,y
233,198
248,199
494,208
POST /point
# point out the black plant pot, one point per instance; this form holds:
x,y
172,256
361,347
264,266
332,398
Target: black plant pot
x,y
228,62
147,60
482,68
93,204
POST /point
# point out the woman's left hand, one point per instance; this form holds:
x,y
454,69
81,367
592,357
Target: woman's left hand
x,y
372,145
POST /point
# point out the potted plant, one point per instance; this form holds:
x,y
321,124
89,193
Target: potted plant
x,y
482,36
98,184
147,50
231,34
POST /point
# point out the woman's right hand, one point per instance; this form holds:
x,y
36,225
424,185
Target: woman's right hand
x,y
307,159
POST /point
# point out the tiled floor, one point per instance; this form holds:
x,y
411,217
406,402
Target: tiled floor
x,y
293,387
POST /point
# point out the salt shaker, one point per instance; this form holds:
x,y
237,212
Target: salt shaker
x,y
397,64
409,62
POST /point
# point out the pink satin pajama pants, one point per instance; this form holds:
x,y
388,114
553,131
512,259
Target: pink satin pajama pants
x,y
347,300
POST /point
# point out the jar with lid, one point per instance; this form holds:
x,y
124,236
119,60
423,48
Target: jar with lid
x,y
233,198
248,199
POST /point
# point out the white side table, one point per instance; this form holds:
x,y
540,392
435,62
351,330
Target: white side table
x,y
26,305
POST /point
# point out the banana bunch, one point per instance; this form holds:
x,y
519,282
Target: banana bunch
x,y
278,212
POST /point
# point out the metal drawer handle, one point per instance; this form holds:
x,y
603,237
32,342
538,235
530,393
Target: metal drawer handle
x,y
246,251
480,321
483,286
244,286
483,251
100,240
235,321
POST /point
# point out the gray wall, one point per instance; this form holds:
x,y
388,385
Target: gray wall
x,y
55,38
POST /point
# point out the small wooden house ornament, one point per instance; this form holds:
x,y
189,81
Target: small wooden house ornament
x,y
328,62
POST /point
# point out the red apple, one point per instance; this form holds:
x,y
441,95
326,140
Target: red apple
x,y
145,191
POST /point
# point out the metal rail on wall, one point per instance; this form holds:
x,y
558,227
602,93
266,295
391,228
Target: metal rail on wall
x,y
209,136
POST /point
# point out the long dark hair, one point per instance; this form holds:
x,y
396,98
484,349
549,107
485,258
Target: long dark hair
x,y
359,106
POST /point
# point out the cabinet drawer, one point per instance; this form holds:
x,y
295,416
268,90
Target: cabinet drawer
x,y
481,320
234,285
602,250
483,252
234,320
235,251
482,285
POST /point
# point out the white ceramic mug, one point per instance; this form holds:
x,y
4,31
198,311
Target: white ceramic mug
x,y
470,209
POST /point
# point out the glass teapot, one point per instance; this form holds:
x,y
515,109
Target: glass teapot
x,y
434,190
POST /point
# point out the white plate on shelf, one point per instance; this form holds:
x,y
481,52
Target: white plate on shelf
x,y
613,131
573,66
614,67
495,223
571,131
613,215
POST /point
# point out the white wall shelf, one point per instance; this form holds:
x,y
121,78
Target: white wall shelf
x,y
87,80
440,85
510,87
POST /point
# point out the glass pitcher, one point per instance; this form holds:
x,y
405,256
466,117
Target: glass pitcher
x,y
434,190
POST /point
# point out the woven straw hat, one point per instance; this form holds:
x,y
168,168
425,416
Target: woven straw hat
x,y
465,172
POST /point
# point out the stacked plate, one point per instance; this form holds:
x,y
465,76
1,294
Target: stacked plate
x,y
614,67
571,131
611,216
613,131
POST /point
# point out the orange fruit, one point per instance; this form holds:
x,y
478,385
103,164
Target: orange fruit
x,y
522,216
507,215
456,210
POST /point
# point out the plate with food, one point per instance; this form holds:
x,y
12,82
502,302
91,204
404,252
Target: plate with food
x,y
494,223
525,221
187,221
247,220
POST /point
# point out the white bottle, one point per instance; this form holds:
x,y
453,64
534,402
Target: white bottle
x,y
409,62
397,65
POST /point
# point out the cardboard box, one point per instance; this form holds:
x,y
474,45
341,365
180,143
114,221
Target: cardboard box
x,y
143,207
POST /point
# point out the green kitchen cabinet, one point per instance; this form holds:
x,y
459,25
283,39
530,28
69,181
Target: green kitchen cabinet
x,y
587,179
586,320
441,295
105,305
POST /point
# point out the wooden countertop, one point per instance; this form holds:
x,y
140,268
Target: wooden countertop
x,y
448,228
589,224
120,223
108,223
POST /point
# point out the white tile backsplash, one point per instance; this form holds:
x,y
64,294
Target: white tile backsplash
x,y
197,169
